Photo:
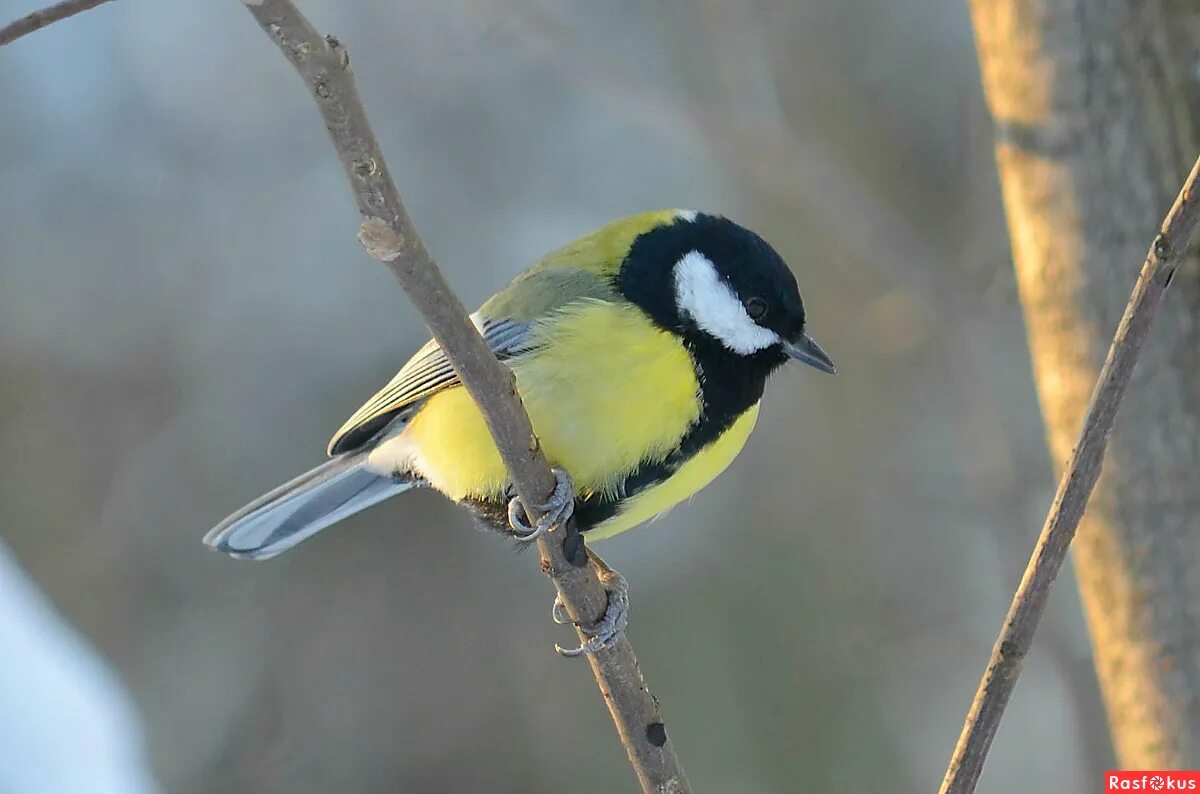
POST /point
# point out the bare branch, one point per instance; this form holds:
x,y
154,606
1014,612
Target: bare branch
x,y
40,19
1074,489
388,234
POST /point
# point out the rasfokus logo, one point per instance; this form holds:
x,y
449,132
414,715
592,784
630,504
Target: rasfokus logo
x,y
1156,780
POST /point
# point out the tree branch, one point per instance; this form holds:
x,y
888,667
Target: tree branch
x,y
388,234
47,16
1074,489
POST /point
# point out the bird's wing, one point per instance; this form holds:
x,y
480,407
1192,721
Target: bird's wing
x,y
507,321
426,373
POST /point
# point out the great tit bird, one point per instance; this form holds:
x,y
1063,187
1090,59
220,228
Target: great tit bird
x,y
640,351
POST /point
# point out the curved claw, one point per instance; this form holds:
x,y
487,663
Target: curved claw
x,y
558,613
611,625
555,512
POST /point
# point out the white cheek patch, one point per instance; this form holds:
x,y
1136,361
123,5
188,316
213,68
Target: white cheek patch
x,y
715,308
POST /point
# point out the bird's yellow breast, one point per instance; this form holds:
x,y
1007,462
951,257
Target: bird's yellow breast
x,y
605,390
697,472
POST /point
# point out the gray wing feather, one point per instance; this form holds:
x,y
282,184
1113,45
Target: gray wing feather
x,y
427,372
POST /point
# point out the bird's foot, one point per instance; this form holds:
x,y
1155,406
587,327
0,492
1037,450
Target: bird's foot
x,y
555,512
611,625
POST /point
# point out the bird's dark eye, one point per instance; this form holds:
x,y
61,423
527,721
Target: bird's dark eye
x,y
756,308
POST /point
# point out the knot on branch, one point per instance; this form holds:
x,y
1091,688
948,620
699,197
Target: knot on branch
x,y
1011,651
575,550
1162,246
380,239
340,52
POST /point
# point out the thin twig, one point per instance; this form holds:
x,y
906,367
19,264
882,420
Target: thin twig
x,y
1074,488
40,19
389,235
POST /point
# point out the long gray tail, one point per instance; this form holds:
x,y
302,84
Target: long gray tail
x,y
297,510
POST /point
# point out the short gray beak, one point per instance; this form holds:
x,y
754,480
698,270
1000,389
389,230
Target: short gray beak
x,y
806,350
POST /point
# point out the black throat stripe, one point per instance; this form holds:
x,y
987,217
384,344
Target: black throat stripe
x,y
729,386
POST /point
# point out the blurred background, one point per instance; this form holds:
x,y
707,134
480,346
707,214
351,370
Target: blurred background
x,y
186,316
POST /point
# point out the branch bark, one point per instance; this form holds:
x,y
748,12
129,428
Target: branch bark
x,y
46,16
388,234
1074,489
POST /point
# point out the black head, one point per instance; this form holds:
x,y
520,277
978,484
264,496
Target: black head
x,y
723,289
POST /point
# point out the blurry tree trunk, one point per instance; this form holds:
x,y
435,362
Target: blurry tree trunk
x,y
1095,105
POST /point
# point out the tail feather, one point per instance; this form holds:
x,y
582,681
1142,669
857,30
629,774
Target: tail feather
x,y
297,510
